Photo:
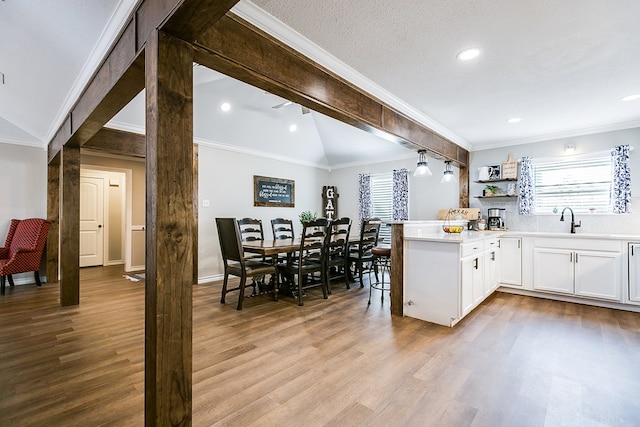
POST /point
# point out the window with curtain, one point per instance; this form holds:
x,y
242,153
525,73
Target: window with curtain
x,y
581,183
382,201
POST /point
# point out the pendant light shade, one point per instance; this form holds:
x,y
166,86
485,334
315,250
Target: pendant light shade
x,y
422,168
448,173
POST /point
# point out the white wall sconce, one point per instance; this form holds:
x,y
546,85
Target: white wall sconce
x,y
422,168
448,173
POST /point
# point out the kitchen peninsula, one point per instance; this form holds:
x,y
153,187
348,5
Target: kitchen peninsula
x,y
440,277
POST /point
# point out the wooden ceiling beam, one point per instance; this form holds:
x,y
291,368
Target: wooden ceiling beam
x,y
120,76
242,51
118,142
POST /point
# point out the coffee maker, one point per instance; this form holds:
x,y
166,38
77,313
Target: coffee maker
x,y
496,219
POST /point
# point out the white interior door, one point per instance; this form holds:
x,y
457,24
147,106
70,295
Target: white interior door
x,y
91,221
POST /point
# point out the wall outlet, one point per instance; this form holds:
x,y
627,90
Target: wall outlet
x,y
205,203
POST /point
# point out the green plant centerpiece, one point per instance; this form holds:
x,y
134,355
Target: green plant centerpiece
x,y
490,190
307,216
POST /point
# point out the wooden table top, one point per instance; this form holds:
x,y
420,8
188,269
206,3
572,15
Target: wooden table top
x,y
280,246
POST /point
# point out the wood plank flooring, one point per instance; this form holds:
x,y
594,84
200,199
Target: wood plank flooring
x,y
515,361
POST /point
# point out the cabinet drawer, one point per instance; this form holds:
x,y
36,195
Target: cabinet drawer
x,y
469,249
491,244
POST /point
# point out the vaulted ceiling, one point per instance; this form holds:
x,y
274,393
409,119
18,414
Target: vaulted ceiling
x,y
562,67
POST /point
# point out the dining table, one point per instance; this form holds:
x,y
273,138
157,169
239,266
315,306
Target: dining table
x,y
272,248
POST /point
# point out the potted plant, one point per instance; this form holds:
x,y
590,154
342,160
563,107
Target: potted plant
x,y
490,190
307,216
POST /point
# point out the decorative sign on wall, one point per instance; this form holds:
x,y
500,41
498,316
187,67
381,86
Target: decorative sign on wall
x,y
273,192
330,201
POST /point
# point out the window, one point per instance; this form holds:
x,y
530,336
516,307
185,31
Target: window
x,y
582,184
382,202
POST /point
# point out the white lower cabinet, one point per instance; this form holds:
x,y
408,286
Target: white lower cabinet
x,y
511,261
492,263
472,282
634,272
579,272
597,275
553,270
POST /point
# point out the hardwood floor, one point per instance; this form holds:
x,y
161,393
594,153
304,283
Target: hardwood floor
x,y
514,361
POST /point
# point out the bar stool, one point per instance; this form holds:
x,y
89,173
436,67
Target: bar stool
x,y
382,260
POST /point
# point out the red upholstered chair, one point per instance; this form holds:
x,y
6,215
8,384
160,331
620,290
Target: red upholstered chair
x,y
23,248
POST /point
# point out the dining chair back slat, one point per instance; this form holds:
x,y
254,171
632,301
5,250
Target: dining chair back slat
x,y
235,262
338,249
311,257
360,252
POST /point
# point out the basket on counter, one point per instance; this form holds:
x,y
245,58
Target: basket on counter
x,y
448,227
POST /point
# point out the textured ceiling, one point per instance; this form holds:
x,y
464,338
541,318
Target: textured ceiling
x,y
562,66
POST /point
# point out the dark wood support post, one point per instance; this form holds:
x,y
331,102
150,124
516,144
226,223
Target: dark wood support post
x,y
70,226
53,215
169,231
397,269
195,214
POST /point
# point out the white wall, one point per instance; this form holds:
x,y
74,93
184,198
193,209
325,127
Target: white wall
x,y
225,179
426,195
23,174
605,223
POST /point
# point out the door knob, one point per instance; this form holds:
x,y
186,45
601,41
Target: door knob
x,y
99,226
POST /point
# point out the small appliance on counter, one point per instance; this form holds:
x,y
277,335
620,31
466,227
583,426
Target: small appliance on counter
x,y
496,219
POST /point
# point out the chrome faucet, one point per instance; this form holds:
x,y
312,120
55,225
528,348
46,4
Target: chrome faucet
x,y
573,222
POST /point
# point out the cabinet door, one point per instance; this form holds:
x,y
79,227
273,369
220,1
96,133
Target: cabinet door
x,y
511,261
597,274
553,270
491,271
634,272
472,283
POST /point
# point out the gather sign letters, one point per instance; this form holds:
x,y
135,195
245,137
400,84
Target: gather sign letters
x,y
330,201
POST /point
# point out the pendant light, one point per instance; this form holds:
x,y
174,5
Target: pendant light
x,y
422,168
448,173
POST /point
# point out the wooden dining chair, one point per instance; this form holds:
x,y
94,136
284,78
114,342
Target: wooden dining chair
x,y
235,262
338,250
311,258
282,228
251,231
360,252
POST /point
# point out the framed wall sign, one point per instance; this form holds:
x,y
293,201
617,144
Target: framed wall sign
x,y
273,192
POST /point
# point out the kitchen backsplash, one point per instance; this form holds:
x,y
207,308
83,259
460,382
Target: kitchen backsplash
x,y
591,223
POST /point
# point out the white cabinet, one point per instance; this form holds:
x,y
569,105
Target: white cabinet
x,y
492,263
580,270
634,272
597,275
445,279
511,261
553,270
472,282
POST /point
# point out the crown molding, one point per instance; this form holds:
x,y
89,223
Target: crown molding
x,y
277,29
114,26
559,135
23,142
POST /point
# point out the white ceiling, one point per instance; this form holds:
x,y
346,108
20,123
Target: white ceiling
x,y
561,66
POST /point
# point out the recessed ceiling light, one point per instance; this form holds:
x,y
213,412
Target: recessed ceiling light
x,y
514,120
468,54
293,128
631,97
225,106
